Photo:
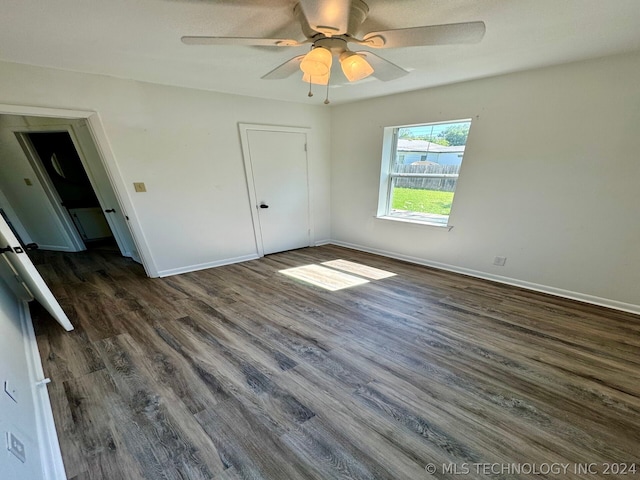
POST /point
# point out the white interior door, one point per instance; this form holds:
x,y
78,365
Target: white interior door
x,y
18,261
103,189
278,162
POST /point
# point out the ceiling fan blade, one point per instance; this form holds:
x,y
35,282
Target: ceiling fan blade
x,y
285,70
250,41
383,69
330,17
453,33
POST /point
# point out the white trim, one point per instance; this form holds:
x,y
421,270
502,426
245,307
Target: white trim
x,y
122,194
9,109
55,248
48,445
204,266
558,292
251,190
319,243
414,221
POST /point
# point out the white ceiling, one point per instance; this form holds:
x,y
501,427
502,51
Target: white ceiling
x,y
140,39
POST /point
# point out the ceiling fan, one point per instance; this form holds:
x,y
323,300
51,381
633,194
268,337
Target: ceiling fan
x,y
330,25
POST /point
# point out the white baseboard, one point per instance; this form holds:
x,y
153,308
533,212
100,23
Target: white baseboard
x,y
319,243
558,292
204,266
57,248
49,448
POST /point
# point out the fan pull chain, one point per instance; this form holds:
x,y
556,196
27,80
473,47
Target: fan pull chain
x,y
310,94
326,100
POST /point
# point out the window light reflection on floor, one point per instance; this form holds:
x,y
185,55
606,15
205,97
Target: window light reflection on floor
x,y
359,269
336,278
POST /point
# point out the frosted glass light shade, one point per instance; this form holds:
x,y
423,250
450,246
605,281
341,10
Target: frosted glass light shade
x,y
354,66
315,79
317,62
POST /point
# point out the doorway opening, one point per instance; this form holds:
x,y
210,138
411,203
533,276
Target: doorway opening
x,y
58,192
63,167
60,187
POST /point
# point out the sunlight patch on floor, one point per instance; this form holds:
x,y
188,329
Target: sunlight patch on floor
x,y
324,277
359,269
342,274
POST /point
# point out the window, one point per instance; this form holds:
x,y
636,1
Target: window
x,y
420,169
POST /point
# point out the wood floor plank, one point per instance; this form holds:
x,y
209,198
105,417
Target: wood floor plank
x,y
248,446
94,402
326,447
71,444
376,439
166,436
240,372
255,388
167,367
69,356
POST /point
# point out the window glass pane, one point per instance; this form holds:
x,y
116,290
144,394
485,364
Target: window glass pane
x,y
431,202
424,171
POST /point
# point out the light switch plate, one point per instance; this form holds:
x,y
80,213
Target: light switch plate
x,y
139,187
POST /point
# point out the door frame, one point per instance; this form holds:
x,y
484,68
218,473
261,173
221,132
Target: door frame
x,y
23,134
116,180
245,128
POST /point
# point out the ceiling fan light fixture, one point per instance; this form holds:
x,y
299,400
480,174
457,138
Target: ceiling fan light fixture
x,y
315,79
355,67
317,62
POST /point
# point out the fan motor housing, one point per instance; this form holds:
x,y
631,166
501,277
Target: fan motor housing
x,y
357,14
336,45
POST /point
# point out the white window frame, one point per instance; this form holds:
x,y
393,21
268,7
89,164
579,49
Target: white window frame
x,y
389,151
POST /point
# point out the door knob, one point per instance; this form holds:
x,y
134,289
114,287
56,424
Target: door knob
x,y
264,205
110,210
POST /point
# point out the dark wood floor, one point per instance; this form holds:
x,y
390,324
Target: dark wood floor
x,y
241,372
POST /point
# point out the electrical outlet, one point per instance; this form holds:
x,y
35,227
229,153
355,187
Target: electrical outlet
x,y
139,187
16,447
9,390
500,261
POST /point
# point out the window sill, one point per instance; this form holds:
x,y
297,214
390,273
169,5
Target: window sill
x,y
414,221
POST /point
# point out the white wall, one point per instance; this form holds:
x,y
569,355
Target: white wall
x,y
550,179
18,418
185,145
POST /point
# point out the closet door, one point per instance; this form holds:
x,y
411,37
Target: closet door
x,y
25,271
